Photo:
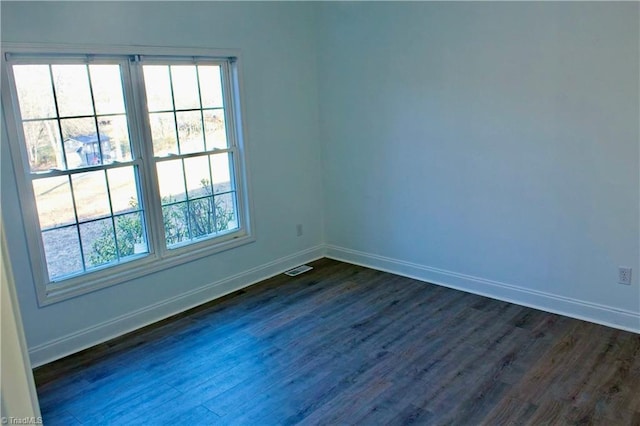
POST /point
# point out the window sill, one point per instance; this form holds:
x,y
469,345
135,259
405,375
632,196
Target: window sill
x,y
114,275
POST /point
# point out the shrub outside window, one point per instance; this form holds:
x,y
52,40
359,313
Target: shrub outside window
x,y
128,164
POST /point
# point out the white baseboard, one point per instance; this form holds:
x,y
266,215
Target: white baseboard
x,y
66,345
599,314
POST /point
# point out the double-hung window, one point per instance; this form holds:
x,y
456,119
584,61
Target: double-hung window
x,y
125,164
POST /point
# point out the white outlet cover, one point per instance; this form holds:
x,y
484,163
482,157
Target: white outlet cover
x,y
624,275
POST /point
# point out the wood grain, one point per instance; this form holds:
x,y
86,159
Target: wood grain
x,y
344,344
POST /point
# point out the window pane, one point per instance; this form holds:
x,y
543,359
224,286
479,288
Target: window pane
x,y
35,94
130,234
210,87
62,251
176,223
201,217
76,125
123,189
171,181
158,86
72,90
106,83
163,133
185,86
198,177
221,172
98,243
214,128
54,201
226,218
90,192
114,137
80,142
43,145
190,132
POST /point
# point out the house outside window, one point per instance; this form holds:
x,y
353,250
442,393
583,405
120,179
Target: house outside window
x,y
126,163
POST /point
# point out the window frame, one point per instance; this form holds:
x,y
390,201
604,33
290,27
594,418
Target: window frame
x,y
159,255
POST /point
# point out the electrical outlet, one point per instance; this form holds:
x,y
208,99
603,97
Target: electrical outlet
x,y
299,230
624,275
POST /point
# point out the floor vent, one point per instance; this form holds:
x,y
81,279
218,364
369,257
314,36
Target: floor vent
x,y
298,270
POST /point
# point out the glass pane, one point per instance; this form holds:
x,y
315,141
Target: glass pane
x,y
72,90
221,172
106,83
158,86
114,137
123,189
163,133
62,251
54,201
171,181
215,130
98,243
130,234
35,94
176,223
201,217
210,86
226,218
43,145
185,86
80,142
190,132
198,178
90,192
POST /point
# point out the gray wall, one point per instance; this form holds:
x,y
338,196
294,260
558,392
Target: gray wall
x,y
280,83
493,146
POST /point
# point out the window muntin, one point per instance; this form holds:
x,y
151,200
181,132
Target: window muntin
x,y
76,136
126,182
192,153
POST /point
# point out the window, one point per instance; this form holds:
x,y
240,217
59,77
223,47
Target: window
x,y
128,163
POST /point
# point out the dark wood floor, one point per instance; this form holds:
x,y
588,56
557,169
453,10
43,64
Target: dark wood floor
x,y
348,345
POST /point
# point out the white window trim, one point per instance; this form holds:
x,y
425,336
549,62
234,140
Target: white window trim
x,y
158,258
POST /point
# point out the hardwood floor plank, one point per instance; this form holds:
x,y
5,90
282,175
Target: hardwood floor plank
x,y
57,417
549,412
413,415
111,395
196,415
343,344
122,410
509,411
